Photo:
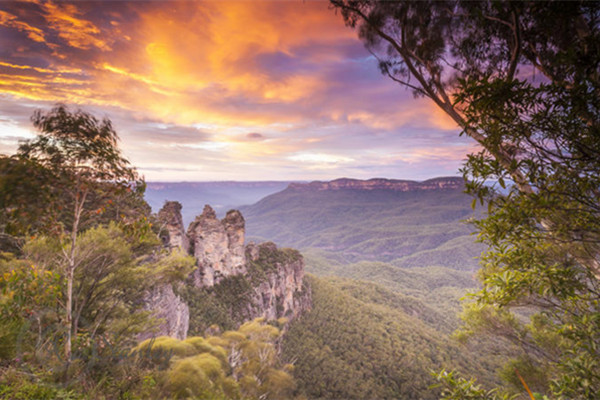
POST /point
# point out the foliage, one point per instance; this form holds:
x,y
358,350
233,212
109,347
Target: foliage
x,y
545,235
15,385
23,194
107,281
226,304
363,341
89,177
29,296
458,388
74,159
114,272
241,364
172,267
539,140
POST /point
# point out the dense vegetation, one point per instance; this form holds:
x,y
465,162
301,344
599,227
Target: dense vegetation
x,y
363,341
409,229
438,287
240,364
363,328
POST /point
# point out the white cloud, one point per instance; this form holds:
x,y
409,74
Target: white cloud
x,y
319,158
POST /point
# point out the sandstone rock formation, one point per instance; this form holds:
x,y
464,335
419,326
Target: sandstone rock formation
x,y
273,278
218,246
169,308
173,232
173,313
283,292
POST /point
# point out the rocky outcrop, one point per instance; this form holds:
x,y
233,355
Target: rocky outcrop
x,y
248,281
218,246
282,291
171,311
171,223
276,275
380,184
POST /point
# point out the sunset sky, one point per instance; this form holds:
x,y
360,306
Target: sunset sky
x,y
268,90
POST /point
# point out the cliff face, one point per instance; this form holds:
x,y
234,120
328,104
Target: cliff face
x,y
380,184
170,308
166,305
282,291
232,282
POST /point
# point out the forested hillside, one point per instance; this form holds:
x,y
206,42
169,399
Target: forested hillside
x,y
439,287
412,228
362,341
390,266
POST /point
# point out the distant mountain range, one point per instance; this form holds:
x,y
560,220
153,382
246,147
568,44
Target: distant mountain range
x,y
406,223
380,184
222,196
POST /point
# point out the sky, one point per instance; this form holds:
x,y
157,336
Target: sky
x,y
221,90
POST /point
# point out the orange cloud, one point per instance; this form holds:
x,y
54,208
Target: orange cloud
x,y
78,32
9,20
153,85
184,58
37,69
289,70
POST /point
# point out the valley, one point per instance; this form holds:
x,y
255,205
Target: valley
x,y
387,264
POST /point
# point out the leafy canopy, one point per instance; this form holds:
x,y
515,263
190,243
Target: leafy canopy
x,y
523,80
72,168
79,145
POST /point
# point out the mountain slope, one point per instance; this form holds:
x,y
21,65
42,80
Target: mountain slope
x,y
361,341
404,222
439,287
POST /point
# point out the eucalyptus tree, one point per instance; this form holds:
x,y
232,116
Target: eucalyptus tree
x,y
523,80
88,172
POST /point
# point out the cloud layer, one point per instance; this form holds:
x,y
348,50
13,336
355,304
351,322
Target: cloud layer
x,y
221,90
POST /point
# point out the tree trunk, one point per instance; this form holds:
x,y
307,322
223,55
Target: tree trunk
x,y
71,329
69,306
